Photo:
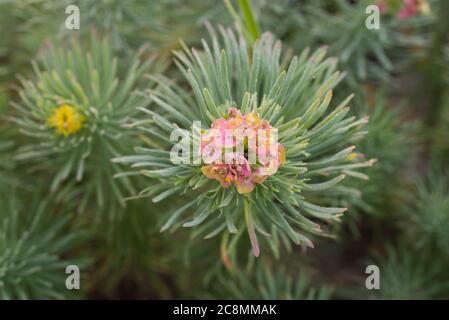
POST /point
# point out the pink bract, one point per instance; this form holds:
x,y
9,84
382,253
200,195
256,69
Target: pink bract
x,y
236,169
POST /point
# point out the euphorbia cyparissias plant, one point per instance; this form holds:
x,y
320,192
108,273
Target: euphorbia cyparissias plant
x,y
229,81
73,111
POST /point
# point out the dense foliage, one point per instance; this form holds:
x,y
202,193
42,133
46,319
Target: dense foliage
x,y
357,176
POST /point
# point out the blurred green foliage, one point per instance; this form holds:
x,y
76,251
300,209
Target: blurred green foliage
x,y
398,213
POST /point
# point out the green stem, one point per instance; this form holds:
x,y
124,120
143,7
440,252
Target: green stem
x,y
250,22
249,27
224,251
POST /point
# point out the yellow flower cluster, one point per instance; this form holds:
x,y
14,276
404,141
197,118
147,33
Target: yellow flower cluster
x,y
66,120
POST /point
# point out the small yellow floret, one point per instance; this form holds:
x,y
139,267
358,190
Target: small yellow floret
x,y
352,156
66,120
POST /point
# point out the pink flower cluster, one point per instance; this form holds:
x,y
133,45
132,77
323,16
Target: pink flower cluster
x,y
239,168
408,8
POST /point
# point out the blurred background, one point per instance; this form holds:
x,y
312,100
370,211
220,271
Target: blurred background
x,y
397,219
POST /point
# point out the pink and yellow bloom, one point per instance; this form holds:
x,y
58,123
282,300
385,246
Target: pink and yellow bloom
x,y
404,9
413,7
250,136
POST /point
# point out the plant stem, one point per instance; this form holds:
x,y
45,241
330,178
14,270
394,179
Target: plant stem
x,y
224,251
250,226
250,22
